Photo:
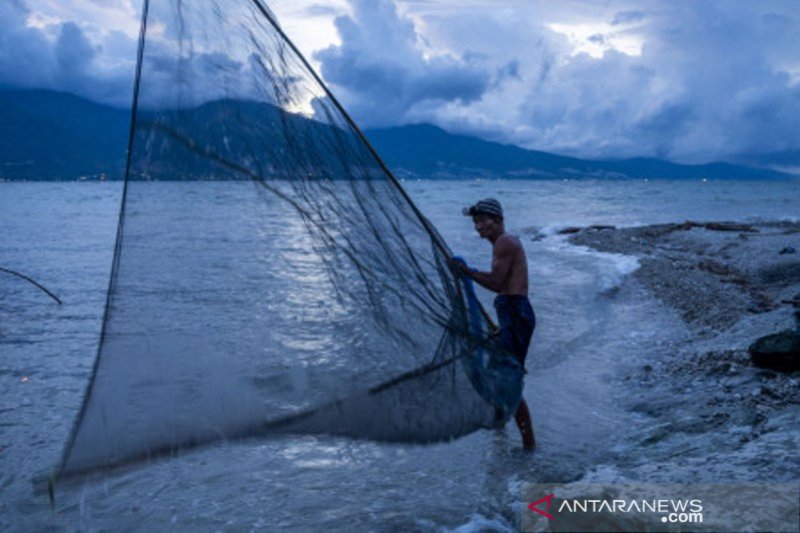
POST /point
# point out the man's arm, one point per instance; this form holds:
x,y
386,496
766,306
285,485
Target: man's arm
x,y
502,258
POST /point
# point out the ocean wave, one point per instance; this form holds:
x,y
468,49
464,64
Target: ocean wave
x,y
610,269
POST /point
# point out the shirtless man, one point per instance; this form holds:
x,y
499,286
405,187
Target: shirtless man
x,y
509,279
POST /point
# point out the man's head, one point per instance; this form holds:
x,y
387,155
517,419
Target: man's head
x,y
487,215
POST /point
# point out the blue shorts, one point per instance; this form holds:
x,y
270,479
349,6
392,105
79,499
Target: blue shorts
x,y
517,321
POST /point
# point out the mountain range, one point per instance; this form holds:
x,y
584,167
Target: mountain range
x,y
46,135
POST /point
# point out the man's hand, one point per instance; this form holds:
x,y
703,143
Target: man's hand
x,y
459,267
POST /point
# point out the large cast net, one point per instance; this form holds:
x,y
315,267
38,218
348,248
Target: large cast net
x,y
270,274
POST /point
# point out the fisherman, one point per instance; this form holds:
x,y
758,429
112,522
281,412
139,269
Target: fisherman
x,y
509,279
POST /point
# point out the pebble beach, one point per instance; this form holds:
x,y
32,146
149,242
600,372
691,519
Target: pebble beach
x,y
731,283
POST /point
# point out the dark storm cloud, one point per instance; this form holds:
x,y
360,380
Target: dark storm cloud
x,y
61,57
717,84
381,69
712,80
687,80
26,57
73,50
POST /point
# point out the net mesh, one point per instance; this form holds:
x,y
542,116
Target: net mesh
x,y
270,274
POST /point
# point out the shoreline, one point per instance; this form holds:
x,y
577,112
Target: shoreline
x,y
713,273
727,282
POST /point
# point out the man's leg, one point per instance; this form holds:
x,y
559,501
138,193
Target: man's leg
x,y
515,335
523,419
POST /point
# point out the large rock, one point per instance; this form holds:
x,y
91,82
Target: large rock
x,y
779,351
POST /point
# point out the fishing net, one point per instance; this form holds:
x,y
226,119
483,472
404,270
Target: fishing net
x,y
270,275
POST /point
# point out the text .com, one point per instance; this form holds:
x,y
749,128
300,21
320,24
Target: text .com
x,y
683,518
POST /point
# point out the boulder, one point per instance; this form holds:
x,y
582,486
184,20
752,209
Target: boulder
x,y
569,230
779,351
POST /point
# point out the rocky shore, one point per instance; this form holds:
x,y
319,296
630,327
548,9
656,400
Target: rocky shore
x,y
732,284
712,273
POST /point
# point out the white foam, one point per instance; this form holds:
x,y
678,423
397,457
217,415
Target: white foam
x,y
612,268
550,230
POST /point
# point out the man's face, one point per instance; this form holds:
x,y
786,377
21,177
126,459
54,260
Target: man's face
x,y
487,227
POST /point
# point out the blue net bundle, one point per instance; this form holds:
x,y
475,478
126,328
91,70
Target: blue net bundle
x,y
270,274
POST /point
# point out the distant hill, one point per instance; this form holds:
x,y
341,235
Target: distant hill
x,y
51,135
46,135
787,161
428,151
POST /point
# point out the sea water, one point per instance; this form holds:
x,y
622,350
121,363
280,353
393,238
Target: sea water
x,y
593,327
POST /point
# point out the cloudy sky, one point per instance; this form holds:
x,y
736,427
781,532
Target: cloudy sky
x,y
686,80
